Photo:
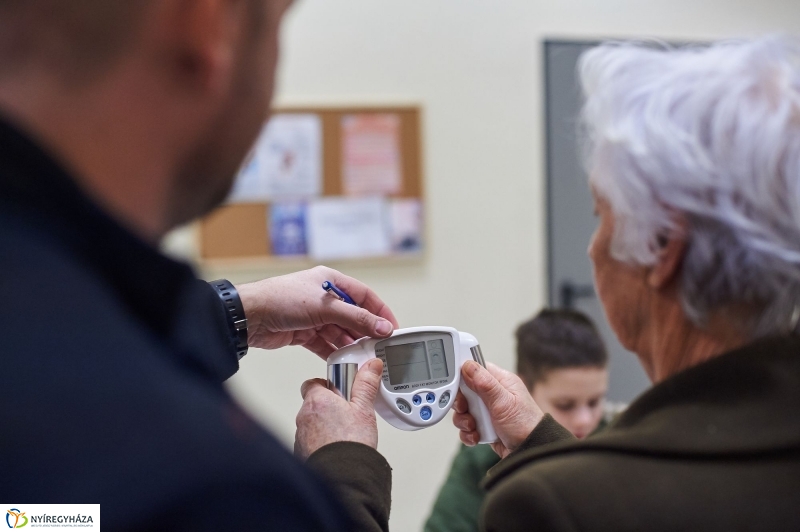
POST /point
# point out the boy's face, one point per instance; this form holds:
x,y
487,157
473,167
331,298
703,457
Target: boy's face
x,y
574,397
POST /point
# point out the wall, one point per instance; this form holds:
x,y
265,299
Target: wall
x,y
475,66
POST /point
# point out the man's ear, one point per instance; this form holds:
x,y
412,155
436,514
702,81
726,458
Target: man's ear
x,y
205,35
671,248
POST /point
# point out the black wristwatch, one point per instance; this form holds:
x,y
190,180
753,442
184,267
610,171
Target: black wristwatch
x,y
237,322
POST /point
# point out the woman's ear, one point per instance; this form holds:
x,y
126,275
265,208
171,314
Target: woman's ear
x,y
671,248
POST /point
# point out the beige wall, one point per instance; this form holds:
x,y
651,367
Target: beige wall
x,y
475,67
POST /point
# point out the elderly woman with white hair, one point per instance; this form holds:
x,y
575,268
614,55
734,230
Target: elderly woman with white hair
x,y
694,159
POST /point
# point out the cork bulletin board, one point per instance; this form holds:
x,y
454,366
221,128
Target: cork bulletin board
x,y
247,227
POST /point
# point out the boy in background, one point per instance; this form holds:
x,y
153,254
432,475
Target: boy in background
x,y
563,362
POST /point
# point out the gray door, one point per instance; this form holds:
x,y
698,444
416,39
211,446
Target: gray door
x,y
570,214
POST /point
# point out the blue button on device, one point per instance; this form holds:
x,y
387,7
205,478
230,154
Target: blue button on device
x,y
425,413
430,397
417,400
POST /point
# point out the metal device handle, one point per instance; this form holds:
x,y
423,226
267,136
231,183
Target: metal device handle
x,y
341,378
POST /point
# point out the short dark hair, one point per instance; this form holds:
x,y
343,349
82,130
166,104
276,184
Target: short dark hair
x,y
77,37
557,338
74,34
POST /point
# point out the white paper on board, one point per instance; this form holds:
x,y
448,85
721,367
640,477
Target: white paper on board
x,y
286,161
406,225
348,228
371,154
250,186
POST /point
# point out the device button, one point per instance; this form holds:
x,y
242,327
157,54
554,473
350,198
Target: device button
x,y
417,400
404,406
425,413
430,397
444,399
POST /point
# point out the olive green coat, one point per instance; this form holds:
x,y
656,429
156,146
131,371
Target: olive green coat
x,y
714,448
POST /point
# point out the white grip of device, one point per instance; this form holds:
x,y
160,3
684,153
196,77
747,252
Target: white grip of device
x,y
470,349
479,411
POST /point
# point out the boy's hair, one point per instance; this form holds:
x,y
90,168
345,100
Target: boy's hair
x,y
557,338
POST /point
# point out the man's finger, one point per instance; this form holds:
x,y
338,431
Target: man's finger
x,y
484,384
357,319
367,381
319,347
352,333
364,297
333,334
311,384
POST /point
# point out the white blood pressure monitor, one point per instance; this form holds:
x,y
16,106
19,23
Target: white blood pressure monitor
x,y
421,376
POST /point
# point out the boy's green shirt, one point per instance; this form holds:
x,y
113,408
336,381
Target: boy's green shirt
x,y
459,502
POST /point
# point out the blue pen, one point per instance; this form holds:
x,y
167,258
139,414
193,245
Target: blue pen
x,y
331,289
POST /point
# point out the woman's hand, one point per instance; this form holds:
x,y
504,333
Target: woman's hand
x,y
513,411
294,310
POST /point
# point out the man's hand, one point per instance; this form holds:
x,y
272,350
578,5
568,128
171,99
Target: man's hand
x,y
295,310
327,417
513,411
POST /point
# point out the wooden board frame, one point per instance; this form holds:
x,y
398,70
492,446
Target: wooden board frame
x,y
240,230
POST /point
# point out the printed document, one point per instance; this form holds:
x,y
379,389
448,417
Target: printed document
x,y
348,228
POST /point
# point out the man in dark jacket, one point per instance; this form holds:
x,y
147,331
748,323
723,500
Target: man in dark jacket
x,y
118,121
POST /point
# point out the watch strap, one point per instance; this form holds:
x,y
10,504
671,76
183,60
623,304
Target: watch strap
x,y
237,321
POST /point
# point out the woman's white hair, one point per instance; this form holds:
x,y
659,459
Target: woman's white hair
x,y
708,137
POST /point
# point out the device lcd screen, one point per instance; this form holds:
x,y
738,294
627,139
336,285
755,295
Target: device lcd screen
x,y
416,362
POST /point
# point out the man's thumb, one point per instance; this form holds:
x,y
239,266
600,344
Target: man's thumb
x,y
484,384
365,386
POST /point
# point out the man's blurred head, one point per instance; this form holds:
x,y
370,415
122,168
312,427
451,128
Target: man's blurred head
x,y
213,165
198,73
